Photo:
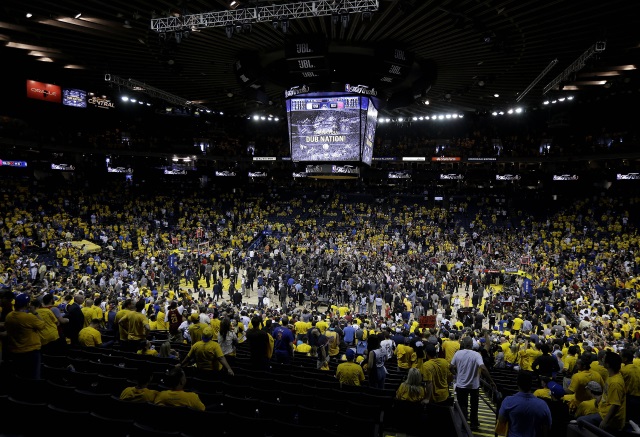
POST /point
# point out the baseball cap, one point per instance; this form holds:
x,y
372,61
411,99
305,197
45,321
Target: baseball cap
x,y
594,387
556,389
351,354
195,317
22,300
207,332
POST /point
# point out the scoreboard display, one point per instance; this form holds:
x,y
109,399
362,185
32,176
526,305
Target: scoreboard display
x,y
327,128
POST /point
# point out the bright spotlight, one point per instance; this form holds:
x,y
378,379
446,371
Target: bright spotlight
x,y
561,99
518,110
133,100
461,116
454,115
510,111
221,113
554,101
496,95
388,120
415,119
501,112
78,15
570,98
448,116
546,102
427,117
263,118
256,117
421,118
125,98
494,113
400,119
276,119
440,117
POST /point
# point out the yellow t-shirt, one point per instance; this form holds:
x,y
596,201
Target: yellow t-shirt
x,y
631,375
89,337
587,407
404,394
437,372
614,394
138,394
450,348
173,398
579,382
405,355
350,373
23,331
543,393
597,367
205,354
50,332
303,348
517,324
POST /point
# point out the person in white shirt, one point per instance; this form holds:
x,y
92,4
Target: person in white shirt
x,y
467,365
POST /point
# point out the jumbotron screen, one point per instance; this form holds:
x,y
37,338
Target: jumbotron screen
x,y
370,133
325,128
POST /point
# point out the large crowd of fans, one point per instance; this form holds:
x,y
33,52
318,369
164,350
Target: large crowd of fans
x,y
553,296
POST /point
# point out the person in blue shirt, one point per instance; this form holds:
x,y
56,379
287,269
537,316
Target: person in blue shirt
x,y
524,414
283,341
349,334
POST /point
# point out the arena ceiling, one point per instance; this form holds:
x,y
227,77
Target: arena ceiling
x,y
465,55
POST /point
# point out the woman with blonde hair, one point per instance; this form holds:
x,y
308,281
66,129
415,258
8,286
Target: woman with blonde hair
x,y
167,352
411,389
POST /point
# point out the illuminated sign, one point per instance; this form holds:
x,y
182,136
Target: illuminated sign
x,y
299,174
62,167
120,170
628,176
294,91
13,163
101,102
482,159
445,158
264,158
508,177
565,177
174,171
44,91
257,174
225,173
451,177
414,158
399,175
74,98
360,89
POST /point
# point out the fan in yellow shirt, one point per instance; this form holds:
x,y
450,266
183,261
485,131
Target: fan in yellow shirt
x,y
140,392
176,396
437,376
350,373
450,347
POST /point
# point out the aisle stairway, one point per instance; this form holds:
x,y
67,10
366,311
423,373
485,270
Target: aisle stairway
x,y
486,416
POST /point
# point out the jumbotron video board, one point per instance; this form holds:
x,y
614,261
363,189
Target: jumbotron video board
x,y
329,128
